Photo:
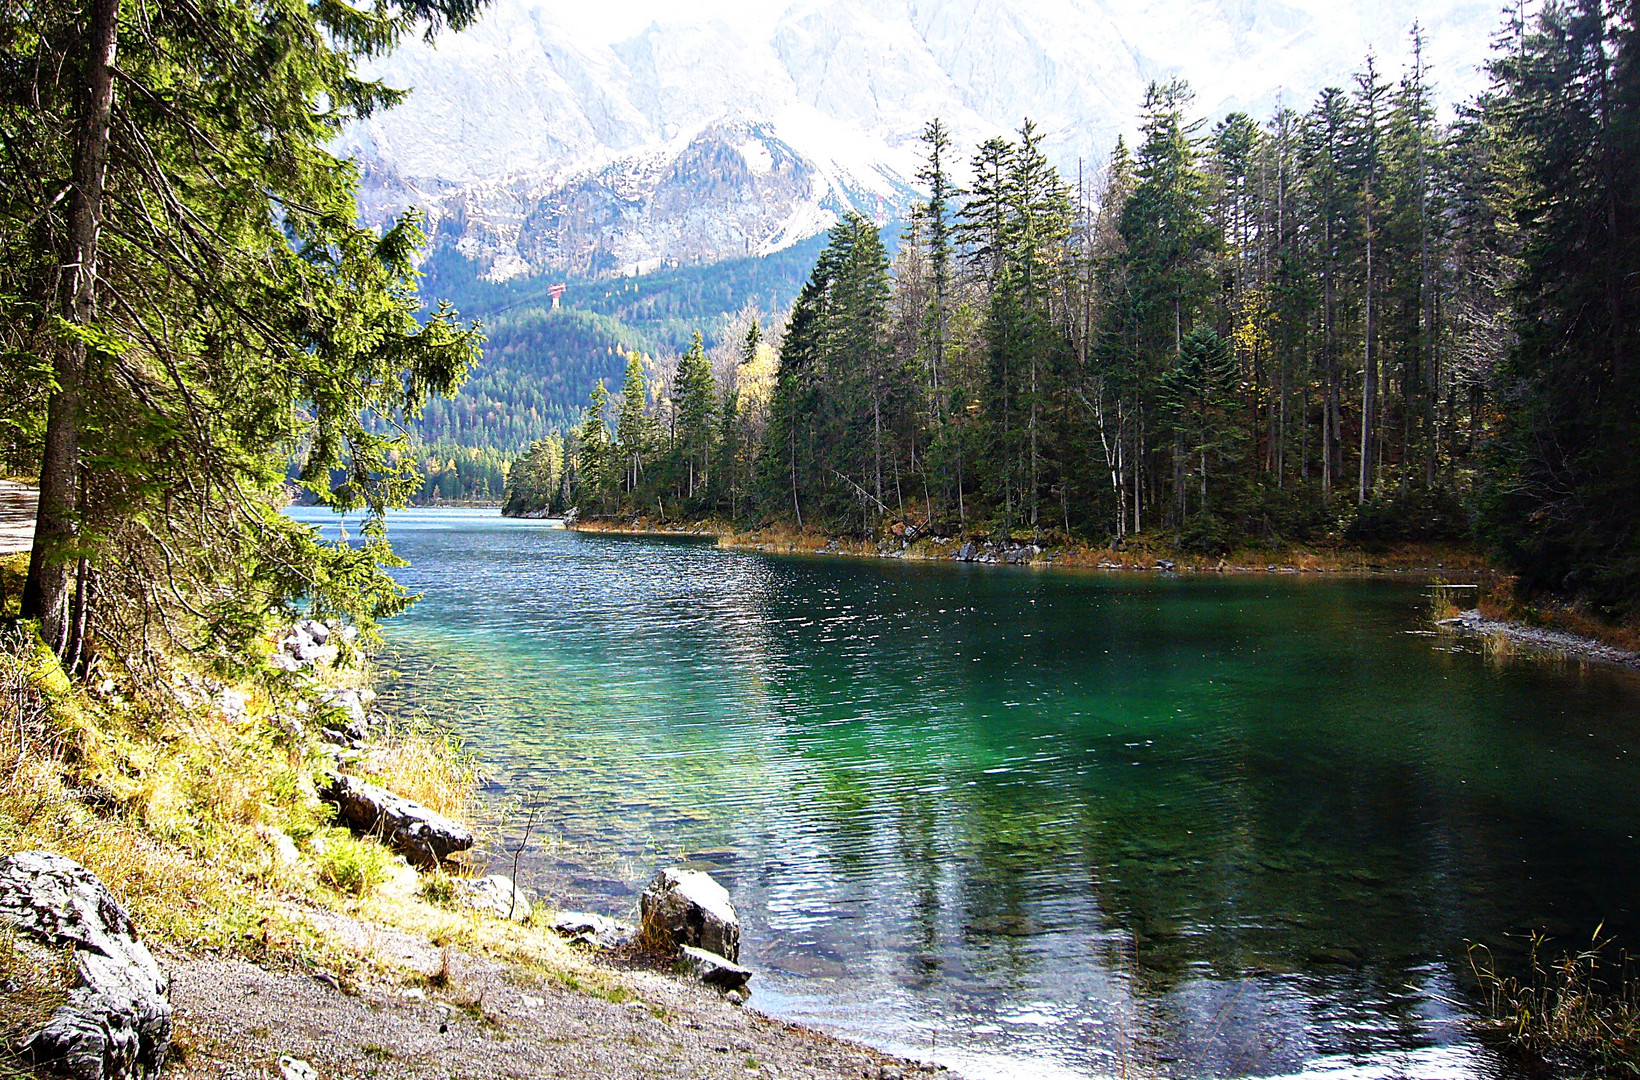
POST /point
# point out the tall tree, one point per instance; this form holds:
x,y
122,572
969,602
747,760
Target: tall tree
x,y
632,427
695,392
1560,493
208,306
1370,93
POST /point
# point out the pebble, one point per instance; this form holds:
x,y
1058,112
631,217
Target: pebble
x,y
296,1069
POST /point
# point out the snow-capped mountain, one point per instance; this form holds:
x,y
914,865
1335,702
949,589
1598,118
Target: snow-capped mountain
x,y
536,144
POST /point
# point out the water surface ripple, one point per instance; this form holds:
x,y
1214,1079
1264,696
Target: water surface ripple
x,y
1041,824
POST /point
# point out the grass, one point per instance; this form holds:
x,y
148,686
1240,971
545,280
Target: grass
x,y
1443,602
428,765
195,799
13,571
350,865
1577,1016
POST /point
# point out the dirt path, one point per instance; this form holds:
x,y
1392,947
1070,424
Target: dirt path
x,y
17,503
237,1021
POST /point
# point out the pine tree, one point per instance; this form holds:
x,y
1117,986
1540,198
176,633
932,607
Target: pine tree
x,y
632,429
695,394
1367,136
209,306
1559,498
597,469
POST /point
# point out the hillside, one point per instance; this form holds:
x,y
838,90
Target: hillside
x,y
539,364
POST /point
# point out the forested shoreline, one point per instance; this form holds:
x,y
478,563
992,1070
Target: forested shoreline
x,y
1354,324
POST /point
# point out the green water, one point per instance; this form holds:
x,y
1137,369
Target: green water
x,y
1039,824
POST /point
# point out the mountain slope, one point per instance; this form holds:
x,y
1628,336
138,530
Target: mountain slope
x,y
537,146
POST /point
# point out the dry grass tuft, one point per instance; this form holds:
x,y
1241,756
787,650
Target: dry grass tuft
x,y
1577,1016
1443,602
429,766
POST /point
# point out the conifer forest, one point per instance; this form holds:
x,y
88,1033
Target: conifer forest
x,y
1346,321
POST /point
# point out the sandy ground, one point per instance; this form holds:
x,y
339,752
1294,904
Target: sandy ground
x,y
17,503
489,1019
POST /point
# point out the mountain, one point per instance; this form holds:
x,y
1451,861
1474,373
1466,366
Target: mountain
x,y
537,146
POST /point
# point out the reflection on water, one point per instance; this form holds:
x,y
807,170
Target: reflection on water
x,y
1040,824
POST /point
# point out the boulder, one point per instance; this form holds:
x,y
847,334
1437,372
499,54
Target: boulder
x,y
352,706
298,648
586,929
116,1024
968,552
423,836
687,908
495,895
712,969
313,628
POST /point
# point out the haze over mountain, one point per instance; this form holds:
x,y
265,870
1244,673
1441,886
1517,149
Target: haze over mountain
x,y
536,143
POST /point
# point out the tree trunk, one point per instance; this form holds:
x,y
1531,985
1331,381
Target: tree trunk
x,y
1369,378
50,572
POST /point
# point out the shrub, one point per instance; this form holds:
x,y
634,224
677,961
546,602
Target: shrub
x,y
1416,515
1205,534
351,865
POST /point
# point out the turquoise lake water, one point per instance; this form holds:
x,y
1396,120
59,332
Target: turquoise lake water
x,y
1040,824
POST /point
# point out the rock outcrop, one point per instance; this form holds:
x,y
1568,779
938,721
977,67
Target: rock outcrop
x,y
596,930
423,836
116,1024
712,969
687,908
306,644
495,895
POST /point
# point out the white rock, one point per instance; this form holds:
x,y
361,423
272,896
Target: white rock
x,y
495,895
588,929
687,908
116,1024
712,969
296,1069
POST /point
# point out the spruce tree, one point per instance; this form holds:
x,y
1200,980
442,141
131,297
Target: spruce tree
x,y
209,307
695,396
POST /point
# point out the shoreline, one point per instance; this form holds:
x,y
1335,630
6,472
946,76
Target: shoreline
x,y
1543,639
1414,561
1141,558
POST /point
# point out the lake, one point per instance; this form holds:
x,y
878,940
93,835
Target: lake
x,y
1040,823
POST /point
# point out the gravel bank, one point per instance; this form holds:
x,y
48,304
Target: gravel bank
x,y
491,1020
1559,641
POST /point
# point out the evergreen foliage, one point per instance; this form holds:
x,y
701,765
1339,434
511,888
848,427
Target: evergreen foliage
x,y
187,296
1354,323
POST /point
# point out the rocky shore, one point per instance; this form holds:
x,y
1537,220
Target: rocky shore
x,y
1559,642
360,935
915,542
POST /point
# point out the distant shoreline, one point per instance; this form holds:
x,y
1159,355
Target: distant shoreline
x,y
1408,559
